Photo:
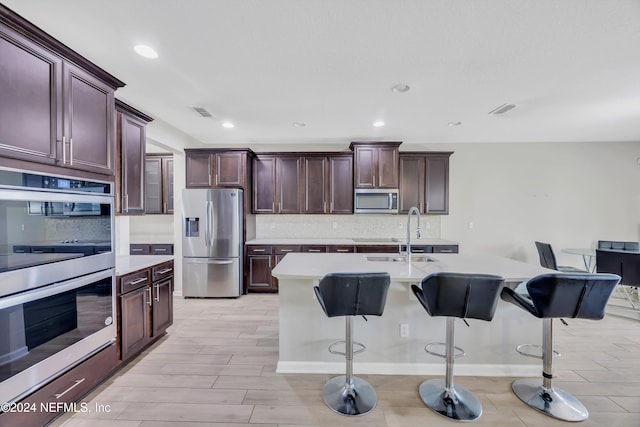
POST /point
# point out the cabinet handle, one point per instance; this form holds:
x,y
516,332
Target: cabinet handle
x,y
166,270
324,206
313,250
445,251
280,206
157,293
64,150
149,301
420,251
342,250
75,384
164,207
217,180
136,250
258,250
135,282
160,250
71,151
273,207
286,250
125,203
421,207
209,180
331,207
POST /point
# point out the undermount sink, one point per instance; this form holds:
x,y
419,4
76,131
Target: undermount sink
x,y
399,258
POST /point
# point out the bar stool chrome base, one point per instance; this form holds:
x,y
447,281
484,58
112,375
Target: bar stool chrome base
x,y
355,398
458,403
552,401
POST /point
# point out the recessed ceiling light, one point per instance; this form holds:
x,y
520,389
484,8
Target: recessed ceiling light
x,y
146,51
299,124
378,124
228,125
453,124
400,88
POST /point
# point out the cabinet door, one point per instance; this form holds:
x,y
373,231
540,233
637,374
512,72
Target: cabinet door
x,y
341,185
387,169
30,108
437,185
260,273
153,185
230,169
133,139
134,324
162,313
199,167
167,184
88,122
264,184
290,189
411,183
365,168
315,185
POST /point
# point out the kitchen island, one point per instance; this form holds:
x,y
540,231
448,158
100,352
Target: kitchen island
x,y
305,331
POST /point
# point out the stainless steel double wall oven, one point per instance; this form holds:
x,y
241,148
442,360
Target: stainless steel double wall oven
x,y
57,277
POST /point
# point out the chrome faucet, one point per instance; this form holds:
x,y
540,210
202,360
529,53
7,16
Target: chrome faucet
x,y
415,210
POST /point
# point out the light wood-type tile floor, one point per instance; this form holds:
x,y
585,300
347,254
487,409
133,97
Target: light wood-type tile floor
x,y
216,368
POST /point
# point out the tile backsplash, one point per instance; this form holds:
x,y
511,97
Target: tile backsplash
x,y
344,226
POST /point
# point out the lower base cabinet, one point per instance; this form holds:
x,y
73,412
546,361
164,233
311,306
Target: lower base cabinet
x,y
145,307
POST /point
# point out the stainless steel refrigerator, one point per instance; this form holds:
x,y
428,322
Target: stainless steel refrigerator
x,y
212,242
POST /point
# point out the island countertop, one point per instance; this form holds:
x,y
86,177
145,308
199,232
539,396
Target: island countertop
x,y
316,265
348,241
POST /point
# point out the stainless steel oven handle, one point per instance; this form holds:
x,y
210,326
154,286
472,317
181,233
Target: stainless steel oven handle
x,y
53,289
75,384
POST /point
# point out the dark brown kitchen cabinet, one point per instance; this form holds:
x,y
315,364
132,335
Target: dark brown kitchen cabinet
x,y
207,168
56,107
158,184
145,307
328,184
277,184
259,264
424,182
376,164
131,143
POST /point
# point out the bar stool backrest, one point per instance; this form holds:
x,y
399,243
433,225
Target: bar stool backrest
x,y
353,294
619,246
582,296
461,295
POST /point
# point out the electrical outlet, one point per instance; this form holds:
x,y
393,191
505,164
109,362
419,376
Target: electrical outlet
x,y
427,226
470,225
399,225
334,225
404,330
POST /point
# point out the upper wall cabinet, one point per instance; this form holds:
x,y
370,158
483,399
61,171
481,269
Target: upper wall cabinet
x,y
376,164
328,184
132,139
277,184
424,182
158,184
217,168
57,108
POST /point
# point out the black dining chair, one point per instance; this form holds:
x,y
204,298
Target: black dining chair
x,y
548,259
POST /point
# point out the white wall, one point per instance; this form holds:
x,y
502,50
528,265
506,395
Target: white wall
x,y
566,194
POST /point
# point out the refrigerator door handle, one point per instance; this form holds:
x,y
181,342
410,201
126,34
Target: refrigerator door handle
x,y
209,261
207,231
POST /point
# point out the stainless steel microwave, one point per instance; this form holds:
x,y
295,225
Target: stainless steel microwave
x,y
376,201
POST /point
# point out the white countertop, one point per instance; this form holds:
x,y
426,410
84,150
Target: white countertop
x,y
311,241
127,263
316,265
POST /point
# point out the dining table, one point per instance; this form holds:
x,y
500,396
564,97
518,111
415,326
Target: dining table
x,y
588,257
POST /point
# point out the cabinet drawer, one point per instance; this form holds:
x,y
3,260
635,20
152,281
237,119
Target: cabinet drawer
x,y
314,248
162,271
445,249
133,281
139,249
285,249
342,249
67,388
162,249
377,249
259,250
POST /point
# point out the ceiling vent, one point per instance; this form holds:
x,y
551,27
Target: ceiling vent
x,y
203,112
502,109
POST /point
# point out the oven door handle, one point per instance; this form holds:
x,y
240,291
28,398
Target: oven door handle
x,y
54,289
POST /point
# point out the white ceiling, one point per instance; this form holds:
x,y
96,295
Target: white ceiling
x,y
572,67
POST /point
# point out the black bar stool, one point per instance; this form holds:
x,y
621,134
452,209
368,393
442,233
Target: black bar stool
x,y
464,296
351,294
582,296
